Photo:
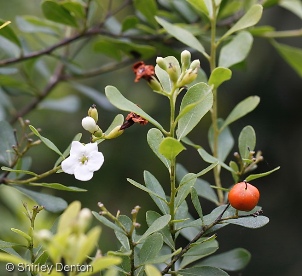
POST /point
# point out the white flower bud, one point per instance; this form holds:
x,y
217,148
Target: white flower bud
x,y
44,235
161,63
89,124
185,59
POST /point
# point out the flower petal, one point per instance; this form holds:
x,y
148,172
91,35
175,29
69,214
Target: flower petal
x,y
77,148
83,173
69,164
90,147
95,161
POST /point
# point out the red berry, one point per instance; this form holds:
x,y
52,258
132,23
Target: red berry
x,y
244,196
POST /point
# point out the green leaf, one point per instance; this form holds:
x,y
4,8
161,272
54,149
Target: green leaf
x,y
202,270
295,6
8,140
140,186
119,101
107,222
225,140
199,250
200,6
196,203
50,203
170,147
181,34
46,141
4,257
201,97
236,50
22,234
33,24
233,260
153,184
219,76
250,222
68,104
58,186
292,55
129,22
246,141
163,77
204,189
9,34
250,19
154,138
235,168
148,8
259,175
241,109
76,9
5,24
211,159
68,216
99,264
57,13
185,187
150,248
157,225
18,171
152,270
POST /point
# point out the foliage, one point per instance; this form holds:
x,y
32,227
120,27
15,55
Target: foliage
x,y
222,33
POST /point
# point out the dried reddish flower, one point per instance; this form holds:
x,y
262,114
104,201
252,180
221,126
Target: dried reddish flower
x,y
142,70
131,119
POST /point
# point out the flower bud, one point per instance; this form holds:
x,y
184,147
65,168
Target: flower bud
x,y
185,59
84,219
161,63
89,124
44,235
155,85
189,77
195,64
116,132
171,70
93,113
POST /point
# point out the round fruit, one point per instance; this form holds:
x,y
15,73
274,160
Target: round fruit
x,y
244,196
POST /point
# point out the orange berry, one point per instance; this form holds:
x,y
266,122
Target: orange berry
x,y
244,196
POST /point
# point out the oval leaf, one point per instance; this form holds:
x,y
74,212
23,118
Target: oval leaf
x,y
219,75
246,141
197,101
170,147
255,176
202,270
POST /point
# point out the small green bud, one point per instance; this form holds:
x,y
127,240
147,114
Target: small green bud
x,y
161,63
155,85
185,60
116,132
93,113
171,70
195,64
190,76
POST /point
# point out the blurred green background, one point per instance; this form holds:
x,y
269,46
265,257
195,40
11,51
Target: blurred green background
x,y
276,248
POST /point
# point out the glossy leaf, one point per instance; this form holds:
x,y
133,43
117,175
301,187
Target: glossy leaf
x,y
201,98
150,248
157,225
250,19
259,175
154,138
292,55
76,9
46,141
9,34
246,141
51,203
119,101
57,13
170,147
202,270
236,50
181,34
225,140
232,260
241,109
153,184
8,140
219,76
200,5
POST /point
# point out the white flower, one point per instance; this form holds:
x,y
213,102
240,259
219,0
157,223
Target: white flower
x,y
89,124
83,160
